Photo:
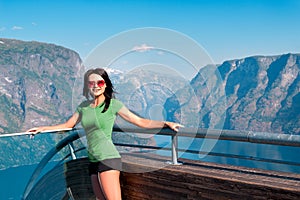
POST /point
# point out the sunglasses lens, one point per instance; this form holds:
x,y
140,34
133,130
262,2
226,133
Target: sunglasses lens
x,y
91,84
100,83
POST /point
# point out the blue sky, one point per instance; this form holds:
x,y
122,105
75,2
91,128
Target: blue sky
x,y
226,29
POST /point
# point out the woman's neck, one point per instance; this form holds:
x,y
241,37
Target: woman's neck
x,y
99,100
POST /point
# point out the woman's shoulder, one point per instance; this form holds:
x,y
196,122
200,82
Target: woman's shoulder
x,y
113,100
116,102
85,103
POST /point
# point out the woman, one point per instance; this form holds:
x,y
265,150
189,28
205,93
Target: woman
x,y
97,117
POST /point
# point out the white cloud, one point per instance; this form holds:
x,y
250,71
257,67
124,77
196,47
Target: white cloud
x,y
34,24
142,48
160,53
16,28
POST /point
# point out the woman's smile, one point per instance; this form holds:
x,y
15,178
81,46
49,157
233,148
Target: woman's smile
x,y
96,85
97,91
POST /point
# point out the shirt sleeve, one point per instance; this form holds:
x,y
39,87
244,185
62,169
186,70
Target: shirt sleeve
x,y
116,105
82,105
78,110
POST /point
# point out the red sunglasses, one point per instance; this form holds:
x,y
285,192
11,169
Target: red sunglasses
x,y
99,83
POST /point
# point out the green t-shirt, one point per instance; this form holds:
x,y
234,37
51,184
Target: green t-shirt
x,y
98,128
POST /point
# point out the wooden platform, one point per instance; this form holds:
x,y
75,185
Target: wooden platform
x,y
198,180
152,178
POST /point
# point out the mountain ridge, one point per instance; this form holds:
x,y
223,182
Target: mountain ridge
x,y
36,83
32,71
260,93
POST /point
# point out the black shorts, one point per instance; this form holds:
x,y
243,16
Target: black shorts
x,y
105,165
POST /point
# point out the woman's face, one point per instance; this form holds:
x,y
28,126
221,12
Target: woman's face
x,y
96,85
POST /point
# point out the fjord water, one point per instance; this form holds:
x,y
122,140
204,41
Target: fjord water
x,y
260,156
13,180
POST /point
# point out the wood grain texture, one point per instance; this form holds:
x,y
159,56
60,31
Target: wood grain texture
x,y
193,180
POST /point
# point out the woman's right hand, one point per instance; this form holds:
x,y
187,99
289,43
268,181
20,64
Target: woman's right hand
x,y
35,131
69,124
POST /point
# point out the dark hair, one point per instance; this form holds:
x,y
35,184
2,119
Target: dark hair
x,y
109,90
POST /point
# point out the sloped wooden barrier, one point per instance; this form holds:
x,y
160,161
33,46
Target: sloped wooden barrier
x,y
78,181
153,179
198,180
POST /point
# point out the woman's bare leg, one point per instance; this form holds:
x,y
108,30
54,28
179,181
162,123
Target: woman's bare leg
x,y
97,188
110,182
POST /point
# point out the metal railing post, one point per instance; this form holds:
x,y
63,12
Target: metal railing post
x,y
72,152
175,150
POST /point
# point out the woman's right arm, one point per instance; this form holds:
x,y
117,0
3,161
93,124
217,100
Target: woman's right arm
x,y
68,124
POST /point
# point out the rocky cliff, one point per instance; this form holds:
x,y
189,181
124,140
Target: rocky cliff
x,y
36,84
259,93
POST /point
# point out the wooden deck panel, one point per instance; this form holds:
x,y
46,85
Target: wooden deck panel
x,y
199,180
145,179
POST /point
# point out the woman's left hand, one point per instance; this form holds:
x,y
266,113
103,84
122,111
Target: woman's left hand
x,y
174,126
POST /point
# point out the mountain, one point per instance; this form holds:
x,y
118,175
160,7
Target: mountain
x,y
36,84
259,93
146,89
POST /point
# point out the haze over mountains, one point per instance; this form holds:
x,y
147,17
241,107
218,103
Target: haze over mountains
x,y
259,93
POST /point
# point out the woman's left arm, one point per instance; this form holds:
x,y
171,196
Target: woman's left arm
x,y
146,123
